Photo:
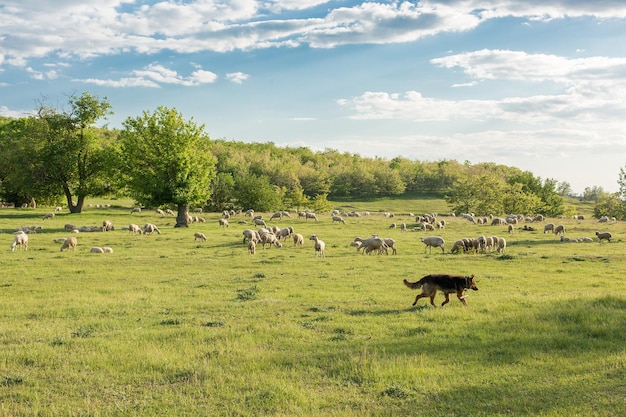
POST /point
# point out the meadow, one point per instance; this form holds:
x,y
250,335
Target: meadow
x,y
169,326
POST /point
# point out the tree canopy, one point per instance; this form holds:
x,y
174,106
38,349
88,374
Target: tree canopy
x,y
166,159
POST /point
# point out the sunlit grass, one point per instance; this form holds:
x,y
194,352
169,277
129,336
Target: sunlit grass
x,y
168,326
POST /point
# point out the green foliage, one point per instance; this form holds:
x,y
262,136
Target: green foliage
x,y
254,192
166,159
610,205
57,153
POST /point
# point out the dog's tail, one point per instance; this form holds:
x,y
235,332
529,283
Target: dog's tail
x,y
413,285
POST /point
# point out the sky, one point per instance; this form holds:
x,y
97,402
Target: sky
x,y
534,84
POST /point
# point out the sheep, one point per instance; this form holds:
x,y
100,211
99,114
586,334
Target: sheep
x,y
223,223
579,217
458,245
150,228
338,219
309,215
134,229
427,226
48,216
270,238
259,222
548,227
585,239
501,245
70,242
568,240
107,249
249,234
603,219
403,227
319,246
284,233
252,247
391,243
298,239
433,241
199,235
197,210
135,210
21,240
278,215
370,244
58,209
169,212
96,250
604,235
159,212
559,230
510,229
107,226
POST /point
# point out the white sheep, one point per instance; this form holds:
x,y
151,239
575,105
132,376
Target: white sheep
x,y
548,227
271,239
433,241
510,229
48,216
308,215
568,240
370,244
605,235
298,239
70,242
159,212
284,233
58,209
150,228
559,230
135,210
107,226
458,246
259,222
96,250
197,210
319,246
338,219
223,223
252,247
249,234
501,245
134,229
69,227
107,249
21,240
169,212
199,235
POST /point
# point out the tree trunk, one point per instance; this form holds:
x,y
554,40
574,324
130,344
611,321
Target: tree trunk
x,y
74,208
182,220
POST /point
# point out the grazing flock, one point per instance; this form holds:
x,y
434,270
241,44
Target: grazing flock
x,y
257,234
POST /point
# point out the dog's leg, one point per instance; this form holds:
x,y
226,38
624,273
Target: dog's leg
x,y
432,299
422,295
447,300
459,294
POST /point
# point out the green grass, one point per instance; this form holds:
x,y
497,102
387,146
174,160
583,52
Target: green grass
x,y
169,326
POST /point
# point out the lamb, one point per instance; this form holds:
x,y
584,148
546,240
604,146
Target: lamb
x,y
223,223
149,228
501,245
604,235
319,246
134,229
252,247
298,239
433,241
107,226
21,240
48,216
391,243
338,219
70,242
199,235
559,230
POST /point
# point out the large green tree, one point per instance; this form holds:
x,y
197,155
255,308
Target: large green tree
x,y
166,160
59,152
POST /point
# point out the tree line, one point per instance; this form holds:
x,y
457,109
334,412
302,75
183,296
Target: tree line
x,y
161,159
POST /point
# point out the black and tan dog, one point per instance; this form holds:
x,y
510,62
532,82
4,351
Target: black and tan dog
x,y
445,283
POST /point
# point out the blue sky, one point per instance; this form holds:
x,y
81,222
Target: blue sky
x,y
536,84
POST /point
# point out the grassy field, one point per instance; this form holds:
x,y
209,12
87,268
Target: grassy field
x,y
167,326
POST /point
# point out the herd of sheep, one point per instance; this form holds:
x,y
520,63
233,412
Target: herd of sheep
x,y
268,236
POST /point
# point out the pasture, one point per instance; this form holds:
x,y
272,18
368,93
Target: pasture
x,y
166,325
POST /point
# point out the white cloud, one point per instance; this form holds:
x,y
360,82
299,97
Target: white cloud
x,y
237,77
155,75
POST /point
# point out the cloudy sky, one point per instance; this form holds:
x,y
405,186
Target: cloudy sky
x,y
536,84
